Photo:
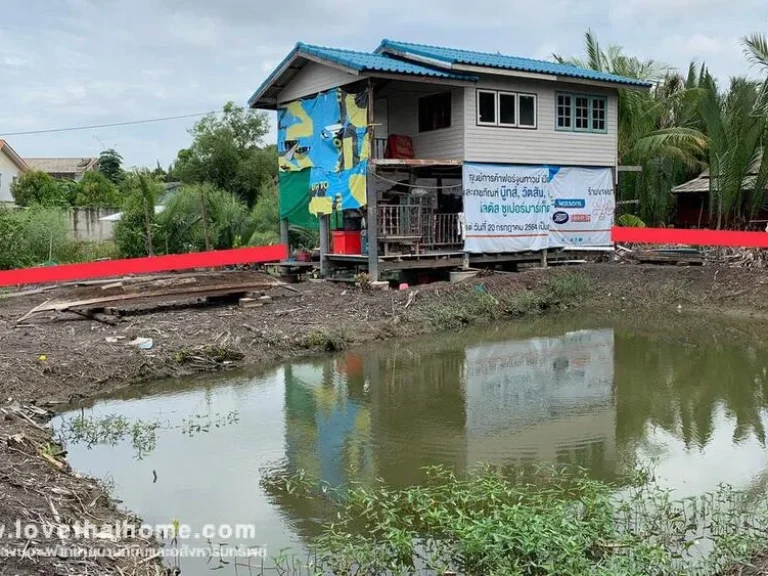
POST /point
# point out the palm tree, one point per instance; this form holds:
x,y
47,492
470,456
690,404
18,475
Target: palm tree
x,y
657,129
756,49
736,127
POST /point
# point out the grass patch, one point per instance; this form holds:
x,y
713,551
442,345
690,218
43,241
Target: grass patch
x,y
562,523
569,287
328,339
458,310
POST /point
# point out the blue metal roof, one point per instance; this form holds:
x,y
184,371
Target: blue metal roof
x,y
357,62
434,61
363,61
457,56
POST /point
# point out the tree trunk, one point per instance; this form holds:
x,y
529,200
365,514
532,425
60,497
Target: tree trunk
x,y
204,216
148,225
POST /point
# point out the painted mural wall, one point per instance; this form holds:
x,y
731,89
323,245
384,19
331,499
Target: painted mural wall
x,y
323,148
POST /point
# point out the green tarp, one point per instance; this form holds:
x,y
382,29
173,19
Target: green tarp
x,y
294,199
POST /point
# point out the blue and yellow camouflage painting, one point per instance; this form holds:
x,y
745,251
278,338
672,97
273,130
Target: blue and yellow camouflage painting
x,y
327,135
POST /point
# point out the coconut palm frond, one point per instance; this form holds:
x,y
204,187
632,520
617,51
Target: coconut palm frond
x,y
755,48
594,54
684,144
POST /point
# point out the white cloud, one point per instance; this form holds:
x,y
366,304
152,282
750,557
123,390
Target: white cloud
x,y
655,10
545,51
696,46
196,30
79,62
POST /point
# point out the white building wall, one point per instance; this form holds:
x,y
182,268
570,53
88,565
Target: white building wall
x,y
314,78
544,145
403,119
8,171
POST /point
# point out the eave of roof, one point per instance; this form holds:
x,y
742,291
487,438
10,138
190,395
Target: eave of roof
x,y
353,62
701,183
15,158
454,59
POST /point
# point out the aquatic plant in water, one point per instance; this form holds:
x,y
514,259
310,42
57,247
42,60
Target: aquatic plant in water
x,y
560,523
142,434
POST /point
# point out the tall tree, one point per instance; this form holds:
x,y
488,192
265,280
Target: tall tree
x,y
110,165
95,189
36,187
227,152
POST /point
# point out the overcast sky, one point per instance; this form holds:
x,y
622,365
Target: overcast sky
x,y
82,62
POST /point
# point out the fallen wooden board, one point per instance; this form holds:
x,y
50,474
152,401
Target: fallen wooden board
x,y
162,294
652,257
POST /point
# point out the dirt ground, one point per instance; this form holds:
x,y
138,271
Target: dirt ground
x,y
55,359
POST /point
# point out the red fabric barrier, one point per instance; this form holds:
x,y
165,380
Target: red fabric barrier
x,y
149,265
690,237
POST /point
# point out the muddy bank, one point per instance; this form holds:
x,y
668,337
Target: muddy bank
x,y
52,361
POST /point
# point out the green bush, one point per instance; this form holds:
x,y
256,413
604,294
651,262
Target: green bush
x,y
84,251
33,236
95,189
11,230
36,187
140,193
264,227
629,221
130,233
180,225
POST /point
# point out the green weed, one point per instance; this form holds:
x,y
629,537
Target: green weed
x,y
568,287
331,339
561,523
457,311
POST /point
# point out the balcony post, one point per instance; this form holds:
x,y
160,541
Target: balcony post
x,y
325,248
370,191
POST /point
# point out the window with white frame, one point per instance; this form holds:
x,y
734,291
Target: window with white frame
x,y
506,109
526,110
486,107
581,112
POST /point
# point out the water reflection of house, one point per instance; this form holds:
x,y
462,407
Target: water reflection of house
x,y
328,420
388,413
542,400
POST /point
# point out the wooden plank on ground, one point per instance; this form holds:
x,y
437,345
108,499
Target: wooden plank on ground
x,y
149,295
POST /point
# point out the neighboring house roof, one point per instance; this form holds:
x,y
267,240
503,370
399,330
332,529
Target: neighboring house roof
x,y
700,184
454,58
72,166
15,158
419,60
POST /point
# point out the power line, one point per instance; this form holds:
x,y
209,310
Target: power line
x,y
131,123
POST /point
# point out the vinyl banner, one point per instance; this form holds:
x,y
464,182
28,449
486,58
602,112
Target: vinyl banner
x,y
511,208
506,208
582,207
327,136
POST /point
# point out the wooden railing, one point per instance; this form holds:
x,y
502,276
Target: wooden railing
x,y
445,230
400,222
417,224
379,148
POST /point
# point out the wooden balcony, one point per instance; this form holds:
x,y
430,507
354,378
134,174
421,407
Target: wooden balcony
x,y
411,228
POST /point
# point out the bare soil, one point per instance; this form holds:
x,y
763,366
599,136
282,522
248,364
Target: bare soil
x,y
57,359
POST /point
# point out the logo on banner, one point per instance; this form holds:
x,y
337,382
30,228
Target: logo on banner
x,y
581,218
570,203
560,217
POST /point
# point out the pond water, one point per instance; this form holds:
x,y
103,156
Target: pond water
x,y
605,394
